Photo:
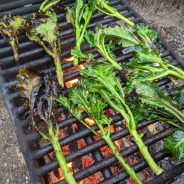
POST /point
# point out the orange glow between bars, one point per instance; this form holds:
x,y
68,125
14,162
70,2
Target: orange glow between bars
x,y
81,67
70,84
69,165
89,121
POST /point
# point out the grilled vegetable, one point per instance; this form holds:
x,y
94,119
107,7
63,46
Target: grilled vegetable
x,y
174,145
11,27
81,99
29,83
146,56
98,40
104,7
40,95
151,94
47,4
79,16
100,79
44,31
145,112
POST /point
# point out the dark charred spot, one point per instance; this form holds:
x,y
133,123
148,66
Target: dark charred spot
x,y
122,76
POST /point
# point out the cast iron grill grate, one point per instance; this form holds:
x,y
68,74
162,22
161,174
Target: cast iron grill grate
x,y
32,56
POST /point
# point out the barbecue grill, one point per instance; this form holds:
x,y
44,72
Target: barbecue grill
x,y
32,56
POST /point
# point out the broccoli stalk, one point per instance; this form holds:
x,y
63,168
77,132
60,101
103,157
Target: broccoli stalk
x,y
11,27
44,31
53,138
79,16
47,4
98,40
104,7
100,79
40,97
146,57
79,98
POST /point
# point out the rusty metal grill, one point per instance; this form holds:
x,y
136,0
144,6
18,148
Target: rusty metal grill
x,y
32,56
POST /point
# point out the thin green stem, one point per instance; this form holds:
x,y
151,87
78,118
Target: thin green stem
x,y
174,124
145,153
84,28
143,149
156,76
174,111
14,45
114,12
44,9
121,160
80,36
113,62
54,140
59,71
177,74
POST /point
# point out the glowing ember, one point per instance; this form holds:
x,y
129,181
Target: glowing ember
x,y
69,59
70,84
69,165
89,121
81,67
117,145
54,179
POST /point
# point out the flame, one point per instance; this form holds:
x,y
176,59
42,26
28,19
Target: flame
x,y
70,165
69,59
117,144
81,67
54,179
70,83
89,121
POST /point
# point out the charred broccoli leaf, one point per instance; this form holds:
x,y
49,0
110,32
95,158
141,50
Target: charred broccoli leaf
x,y
11,27
41,95
174,145
29,83
44,31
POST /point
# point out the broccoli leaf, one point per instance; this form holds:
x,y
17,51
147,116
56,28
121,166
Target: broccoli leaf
x,y
29,83
146,55
123,35
147,34
151,94
11,27
67,104
174,144
145,112
44,31
79,16
180,98
98,40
